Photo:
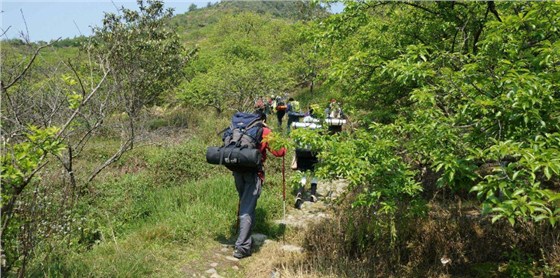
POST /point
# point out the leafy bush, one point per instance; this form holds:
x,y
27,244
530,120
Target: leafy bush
x,y
481,112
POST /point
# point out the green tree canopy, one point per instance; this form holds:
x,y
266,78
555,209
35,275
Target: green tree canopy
x,y
240,61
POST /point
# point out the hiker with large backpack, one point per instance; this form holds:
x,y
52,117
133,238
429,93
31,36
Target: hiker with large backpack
x,y
305,161
294,112
335,118
244,153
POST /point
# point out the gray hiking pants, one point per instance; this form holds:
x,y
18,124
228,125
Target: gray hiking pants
x,y
249,189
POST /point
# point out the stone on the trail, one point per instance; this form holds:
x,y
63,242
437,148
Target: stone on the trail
x,y
214,265
231,258
236,268
292,248
211,271
274,274
268,241
258,239
215,275
225,250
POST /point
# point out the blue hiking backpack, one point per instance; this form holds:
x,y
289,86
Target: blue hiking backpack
x,y
240,151
245,131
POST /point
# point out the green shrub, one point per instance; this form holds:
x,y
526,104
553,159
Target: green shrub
x,y
180,163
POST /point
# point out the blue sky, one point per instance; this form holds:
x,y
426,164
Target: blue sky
x,y
50,19
47,20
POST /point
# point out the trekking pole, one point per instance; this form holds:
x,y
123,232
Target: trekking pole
x,y
284,187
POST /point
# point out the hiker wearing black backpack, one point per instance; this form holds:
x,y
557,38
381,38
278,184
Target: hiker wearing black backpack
x,y
305,161
294,112
335,118
280,108
244,153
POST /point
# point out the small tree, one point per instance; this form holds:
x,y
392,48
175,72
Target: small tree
x,y
192,7
145,57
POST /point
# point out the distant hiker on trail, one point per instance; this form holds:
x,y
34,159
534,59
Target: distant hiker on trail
x,y
335,118
260,105
334,111
305,162
294,112
248,185
280,110
309,121
309,116
269,105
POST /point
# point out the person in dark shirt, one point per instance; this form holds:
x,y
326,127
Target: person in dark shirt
x,y
248,185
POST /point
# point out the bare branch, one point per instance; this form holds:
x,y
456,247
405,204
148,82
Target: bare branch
x,y
69,64
492,8
5,31
125,146
79,31
82,142
26,35
12,105
6,87
84,102
420,7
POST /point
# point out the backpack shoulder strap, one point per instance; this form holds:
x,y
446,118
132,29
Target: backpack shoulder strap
x,y
223,130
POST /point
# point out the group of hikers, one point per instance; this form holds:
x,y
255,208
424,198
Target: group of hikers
x,y
245,151
280,107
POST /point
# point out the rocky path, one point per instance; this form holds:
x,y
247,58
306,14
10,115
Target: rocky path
x,y
328,192
268,254
217,263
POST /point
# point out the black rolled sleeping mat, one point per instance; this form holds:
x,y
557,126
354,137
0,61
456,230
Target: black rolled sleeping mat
x,y
234,156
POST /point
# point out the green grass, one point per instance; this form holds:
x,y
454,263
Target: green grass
x,y
160,208
149,230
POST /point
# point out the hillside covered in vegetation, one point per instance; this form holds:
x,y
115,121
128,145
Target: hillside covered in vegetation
x,y
451,152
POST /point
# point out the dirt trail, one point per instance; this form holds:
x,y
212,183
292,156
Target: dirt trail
x,y
269,254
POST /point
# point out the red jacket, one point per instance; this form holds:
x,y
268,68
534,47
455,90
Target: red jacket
x,y
264,146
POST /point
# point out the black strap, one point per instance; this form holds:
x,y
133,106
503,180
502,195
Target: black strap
x,y
229,155
221,155
224,130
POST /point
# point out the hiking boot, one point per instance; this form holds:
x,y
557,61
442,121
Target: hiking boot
x,y
313,199
298,203
240,255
